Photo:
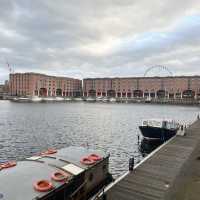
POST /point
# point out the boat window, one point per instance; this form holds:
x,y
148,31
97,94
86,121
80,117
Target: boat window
x,y
145,123
164,123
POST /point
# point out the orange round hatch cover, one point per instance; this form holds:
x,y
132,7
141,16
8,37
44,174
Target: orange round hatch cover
x,y
87,161
48,152
43,186
60,176
8,164
95,157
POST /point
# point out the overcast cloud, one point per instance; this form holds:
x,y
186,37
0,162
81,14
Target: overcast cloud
x,y
98,38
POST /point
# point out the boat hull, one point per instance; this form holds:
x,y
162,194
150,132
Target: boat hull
x,y
157,133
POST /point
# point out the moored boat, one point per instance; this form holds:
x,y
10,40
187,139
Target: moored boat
x,y
35,99
90,99
21,99
105,100
159,129
67,99
78,99
113,100
148,100
71,173
59,99
48,99
99,99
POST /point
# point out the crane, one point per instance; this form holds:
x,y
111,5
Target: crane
x,y
9,67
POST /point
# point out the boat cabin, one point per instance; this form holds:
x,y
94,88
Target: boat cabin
x,y
159,123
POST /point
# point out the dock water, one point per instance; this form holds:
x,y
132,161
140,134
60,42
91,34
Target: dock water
x,y
171,173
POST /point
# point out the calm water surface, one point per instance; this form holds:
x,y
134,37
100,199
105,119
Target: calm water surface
x,y
28,128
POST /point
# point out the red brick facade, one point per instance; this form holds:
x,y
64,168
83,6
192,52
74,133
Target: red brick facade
x,y
140,87
25,84
34,84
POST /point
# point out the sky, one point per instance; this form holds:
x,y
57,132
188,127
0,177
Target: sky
x,y
99,38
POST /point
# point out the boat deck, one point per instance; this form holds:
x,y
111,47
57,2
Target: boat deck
x,y
17,182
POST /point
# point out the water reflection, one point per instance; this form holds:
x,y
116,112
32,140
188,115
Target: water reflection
x,y
147,146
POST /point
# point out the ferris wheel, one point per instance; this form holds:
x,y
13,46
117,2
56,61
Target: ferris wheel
x,y
158,70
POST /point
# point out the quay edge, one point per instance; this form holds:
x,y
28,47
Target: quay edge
x,y
169,173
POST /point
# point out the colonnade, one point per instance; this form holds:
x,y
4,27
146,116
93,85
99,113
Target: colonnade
x,y
141,94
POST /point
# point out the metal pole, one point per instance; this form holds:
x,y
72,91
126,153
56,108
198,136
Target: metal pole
x,y
131,164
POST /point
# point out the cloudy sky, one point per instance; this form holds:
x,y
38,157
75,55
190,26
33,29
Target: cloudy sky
x,y
97,38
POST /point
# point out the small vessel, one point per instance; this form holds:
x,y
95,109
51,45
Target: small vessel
x,y
71,173
21,99
35,99
15,99
138,100
112,100
68,99
159,129
105,100
47,99
90,99
148,100
99,99
59,99
78,99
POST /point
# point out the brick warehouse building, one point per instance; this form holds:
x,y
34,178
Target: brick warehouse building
x,y
35,84
174,87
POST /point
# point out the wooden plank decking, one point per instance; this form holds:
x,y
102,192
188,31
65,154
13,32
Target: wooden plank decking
x,y
166,174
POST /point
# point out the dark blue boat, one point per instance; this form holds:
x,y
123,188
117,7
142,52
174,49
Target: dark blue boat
x,y
159,129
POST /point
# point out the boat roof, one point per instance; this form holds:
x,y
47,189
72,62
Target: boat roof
x,y
17,182
159,119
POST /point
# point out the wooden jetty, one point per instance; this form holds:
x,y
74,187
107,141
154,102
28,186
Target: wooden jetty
x,y
170,173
